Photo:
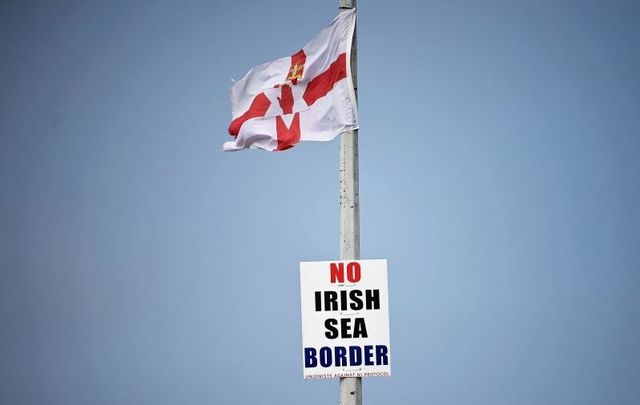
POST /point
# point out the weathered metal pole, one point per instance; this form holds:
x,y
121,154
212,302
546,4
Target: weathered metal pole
x,y
350,387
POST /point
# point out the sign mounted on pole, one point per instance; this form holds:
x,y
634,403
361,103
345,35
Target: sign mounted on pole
x,y
345,319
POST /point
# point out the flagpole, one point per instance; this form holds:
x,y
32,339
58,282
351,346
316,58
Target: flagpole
x,y
350,387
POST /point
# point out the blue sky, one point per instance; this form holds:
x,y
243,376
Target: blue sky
x,y
498,175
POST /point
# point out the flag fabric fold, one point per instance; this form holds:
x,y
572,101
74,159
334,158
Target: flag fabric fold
x,y
308,96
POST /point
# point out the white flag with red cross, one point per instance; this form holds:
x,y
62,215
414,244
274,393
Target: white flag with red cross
x,y
307,96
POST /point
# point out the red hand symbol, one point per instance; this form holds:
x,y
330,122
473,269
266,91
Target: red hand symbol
x,y
286,99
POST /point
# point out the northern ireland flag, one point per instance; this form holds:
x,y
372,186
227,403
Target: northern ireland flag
x,y
307,96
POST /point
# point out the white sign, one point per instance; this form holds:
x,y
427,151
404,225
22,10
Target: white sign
x,y
345,319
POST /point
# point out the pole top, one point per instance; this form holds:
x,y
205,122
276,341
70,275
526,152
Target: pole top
x,y
347,3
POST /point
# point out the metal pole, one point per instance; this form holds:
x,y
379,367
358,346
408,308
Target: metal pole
x,y
350,387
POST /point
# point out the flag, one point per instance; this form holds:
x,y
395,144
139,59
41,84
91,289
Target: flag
x,y
307,96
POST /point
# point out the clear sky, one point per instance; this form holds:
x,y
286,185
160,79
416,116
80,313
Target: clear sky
x,y
499,177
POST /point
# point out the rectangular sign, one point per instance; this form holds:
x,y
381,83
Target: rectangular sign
x,y
345,319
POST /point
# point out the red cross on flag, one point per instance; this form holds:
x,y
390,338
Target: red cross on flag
x,y
307,96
